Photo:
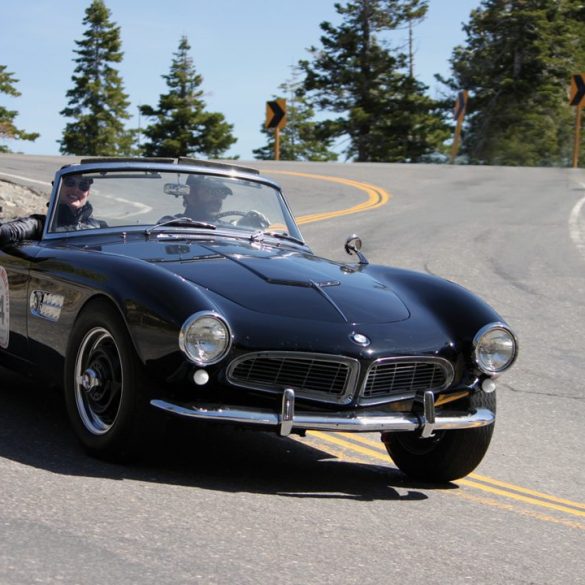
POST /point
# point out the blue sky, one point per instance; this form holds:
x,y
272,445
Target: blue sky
x,y
244,49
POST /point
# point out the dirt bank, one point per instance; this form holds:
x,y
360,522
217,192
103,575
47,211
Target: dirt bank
x,y
17,200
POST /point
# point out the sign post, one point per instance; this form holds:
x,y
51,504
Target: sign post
x,y
576,95
458,115
276,119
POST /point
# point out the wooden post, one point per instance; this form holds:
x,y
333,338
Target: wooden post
x,y
456,139
458,114
577,144
277,144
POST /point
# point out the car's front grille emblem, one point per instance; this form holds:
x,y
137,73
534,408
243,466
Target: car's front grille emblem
x,y
360,339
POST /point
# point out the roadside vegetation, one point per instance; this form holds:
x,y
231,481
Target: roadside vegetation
x,y
355,96
8,131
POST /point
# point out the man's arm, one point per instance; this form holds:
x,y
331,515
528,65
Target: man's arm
x,y
24,228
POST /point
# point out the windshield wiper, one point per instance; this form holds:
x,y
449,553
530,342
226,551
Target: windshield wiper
x,y
181,222
259,236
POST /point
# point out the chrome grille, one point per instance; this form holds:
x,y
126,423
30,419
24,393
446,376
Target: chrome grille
x,y
391,379
320,377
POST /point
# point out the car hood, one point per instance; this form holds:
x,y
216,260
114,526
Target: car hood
x,y
274,280
287,283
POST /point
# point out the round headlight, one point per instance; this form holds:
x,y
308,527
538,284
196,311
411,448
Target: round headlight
x,y
495,348
205,338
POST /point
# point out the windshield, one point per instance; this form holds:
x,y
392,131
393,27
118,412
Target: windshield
x,y
159,200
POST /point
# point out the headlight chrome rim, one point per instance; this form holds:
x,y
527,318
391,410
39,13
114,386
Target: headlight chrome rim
x,y
490,327
183,337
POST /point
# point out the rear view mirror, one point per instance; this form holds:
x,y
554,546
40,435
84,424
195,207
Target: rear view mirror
x,y
176,189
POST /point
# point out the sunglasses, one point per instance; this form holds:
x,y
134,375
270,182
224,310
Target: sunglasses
x,y
82,185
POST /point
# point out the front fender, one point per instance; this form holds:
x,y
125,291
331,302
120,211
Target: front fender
x,y
152,301
461,312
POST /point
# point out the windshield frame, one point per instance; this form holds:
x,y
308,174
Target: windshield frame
x,y
168,167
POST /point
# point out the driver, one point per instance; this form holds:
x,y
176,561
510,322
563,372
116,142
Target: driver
x,y
205,200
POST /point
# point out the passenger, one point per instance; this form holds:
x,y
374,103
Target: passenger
x,y
74,212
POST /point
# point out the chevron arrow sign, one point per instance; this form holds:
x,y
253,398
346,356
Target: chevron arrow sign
x,y
577,91
276,114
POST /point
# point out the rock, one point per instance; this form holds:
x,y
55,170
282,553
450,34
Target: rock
x,y
18,200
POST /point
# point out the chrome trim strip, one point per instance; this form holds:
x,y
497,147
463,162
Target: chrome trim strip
x,y
355,421
449,372
345,398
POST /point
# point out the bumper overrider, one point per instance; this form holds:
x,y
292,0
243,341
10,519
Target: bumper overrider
x,y
425,421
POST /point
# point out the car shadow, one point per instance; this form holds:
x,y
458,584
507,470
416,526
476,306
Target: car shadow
x,y
34,431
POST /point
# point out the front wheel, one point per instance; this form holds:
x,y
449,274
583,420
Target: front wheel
x,y
105,402
446,456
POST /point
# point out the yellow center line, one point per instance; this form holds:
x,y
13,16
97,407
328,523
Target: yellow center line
x,y
523,490
520,498
376,196
482,478
535,514
379,453
356,448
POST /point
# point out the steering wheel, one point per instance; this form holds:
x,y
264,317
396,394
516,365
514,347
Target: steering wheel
x,y
234,212
253,218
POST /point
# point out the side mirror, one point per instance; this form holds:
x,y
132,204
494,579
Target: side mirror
x,y
353,245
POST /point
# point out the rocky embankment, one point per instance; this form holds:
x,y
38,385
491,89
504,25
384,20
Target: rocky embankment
x,y
17,200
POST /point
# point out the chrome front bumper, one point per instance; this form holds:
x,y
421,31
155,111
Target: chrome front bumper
x,y
370,420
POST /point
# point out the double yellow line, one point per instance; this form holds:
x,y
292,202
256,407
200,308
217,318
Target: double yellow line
x,y
349,445
376,196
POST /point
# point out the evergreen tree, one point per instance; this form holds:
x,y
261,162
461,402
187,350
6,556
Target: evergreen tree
x,y
8,131
97,102
383,109
302,138
517,63
182,126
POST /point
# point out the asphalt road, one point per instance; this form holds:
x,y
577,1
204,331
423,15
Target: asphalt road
x,y
217,506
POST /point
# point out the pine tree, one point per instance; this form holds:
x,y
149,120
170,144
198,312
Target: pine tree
x,y
182,126
383,109
516,63
97,102
8,131
302,138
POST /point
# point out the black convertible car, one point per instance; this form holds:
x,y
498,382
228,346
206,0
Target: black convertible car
x,y
165,288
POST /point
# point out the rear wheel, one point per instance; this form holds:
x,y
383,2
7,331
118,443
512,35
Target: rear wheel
x,y
105,400
446,456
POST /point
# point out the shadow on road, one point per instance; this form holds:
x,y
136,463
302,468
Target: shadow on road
x,y
34,431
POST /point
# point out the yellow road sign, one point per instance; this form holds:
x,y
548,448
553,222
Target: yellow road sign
x,y
577,91
276,114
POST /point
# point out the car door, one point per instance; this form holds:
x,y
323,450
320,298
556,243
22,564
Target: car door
x,y
14,303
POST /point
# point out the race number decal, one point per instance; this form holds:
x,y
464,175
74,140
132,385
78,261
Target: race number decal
x,y
4,309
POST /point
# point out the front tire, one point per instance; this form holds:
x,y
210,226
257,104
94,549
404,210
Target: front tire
x,y
447,456
103,395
